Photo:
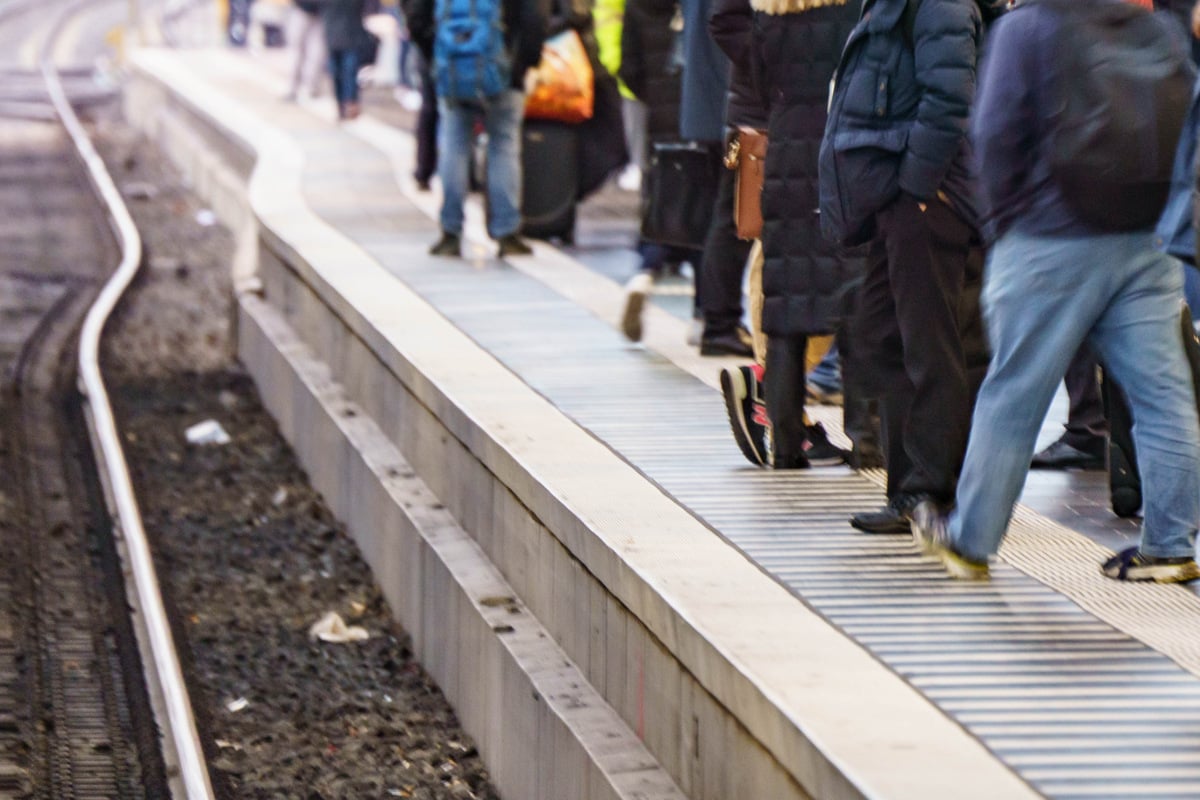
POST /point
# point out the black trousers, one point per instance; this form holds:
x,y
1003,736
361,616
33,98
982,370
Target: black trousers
x,y
719,283
909,333
427,125
1087,426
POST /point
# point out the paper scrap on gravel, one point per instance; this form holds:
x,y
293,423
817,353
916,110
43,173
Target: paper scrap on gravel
x,y
332,628
207,432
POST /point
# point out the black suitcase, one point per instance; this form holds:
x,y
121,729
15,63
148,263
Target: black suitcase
x,y
550,180
1124,481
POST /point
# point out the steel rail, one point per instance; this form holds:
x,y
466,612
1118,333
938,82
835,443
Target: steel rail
x,y
178,708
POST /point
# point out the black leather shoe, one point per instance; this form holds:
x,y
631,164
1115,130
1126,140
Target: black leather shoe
x,y
1061,455
736,342
513,245
449,245
895,517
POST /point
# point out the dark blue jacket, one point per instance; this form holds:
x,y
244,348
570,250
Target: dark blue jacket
x,y
1009,129
899,118
705,77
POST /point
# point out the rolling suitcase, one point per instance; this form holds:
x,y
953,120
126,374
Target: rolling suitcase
x,y
1124,481
550,180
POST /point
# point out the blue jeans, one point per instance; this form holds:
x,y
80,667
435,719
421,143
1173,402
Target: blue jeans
x,y
827,374
502,117
1042,298
343,66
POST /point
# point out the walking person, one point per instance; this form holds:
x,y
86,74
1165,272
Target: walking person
x,y
488,86
306,35
1077,261
344,35
895,174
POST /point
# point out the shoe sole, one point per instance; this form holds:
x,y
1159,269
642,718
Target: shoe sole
x,y
631,319
891,528
734,390
960,568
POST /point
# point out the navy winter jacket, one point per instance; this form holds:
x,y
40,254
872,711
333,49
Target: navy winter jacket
x,y
900,111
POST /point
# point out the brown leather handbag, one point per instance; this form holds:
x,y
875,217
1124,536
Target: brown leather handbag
x,y
747,154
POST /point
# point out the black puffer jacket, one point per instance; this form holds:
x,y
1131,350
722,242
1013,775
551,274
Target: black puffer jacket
x,y
805,278
647,68
732,28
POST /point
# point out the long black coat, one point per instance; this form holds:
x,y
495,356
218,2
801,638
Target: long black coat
x,y
732,28
805,279
343,24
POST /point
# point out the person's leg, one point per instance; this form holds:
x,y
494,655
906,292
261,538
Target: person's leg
x,y
1085,439
783,388
454,154
350,67
427,127
719,280
314,55
1039,307
297,23
927,257
502,119
335,72
1138,340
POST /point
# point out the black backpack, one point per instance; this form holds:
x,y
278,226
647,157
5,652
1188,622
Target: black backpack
x,y
1124,88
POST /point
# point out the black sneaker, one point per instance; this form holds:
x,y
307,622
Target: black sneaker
x,y
1060,455
819,451
892,518
513,245
1131,565
449,245
932,536
742,390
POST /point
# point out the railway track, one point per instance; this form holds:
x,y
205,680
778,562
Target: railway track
x,y
77,718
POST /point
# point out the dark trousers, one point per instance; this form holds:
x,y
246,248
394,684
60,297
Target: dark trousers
x,y
427,125
909,332
783,391
1087,426
719,283
343,66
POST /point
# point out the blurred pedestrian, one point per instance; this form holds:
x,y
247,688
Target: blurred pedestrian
x,y
306,35
1075,259
895,175
471,86
344,37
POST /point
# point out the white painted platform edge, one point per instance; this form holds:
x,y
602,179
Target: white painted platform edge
x,y
689,588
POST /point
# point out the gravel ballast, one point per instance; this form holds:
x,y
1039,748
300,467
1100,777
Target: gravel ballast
x,y
248,554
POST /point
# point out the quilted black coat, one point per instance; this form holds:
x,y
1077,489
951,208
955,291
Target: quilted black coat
x,y
805,278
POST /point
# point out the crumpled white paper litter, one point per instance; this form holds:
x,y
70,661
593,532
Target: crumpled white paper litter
x,y
332,628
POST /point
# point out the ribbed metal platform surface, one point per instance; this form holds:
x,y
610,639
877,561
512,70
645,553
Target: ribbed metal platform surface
x,y
1074,706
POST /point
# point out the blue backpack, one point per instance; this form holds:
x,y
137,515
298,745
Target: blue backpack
x,y
470,59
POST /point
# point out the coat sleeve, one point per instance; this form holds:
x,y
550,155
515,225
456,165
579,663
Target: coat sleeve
x,y
1005,130
419,16
946,37
731,25
530,34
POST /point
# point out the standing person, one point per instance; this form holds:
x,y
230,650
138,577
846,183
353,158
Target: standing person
x,y
427,117
651,67
344,34
1060,275
895,174
469,86
306,33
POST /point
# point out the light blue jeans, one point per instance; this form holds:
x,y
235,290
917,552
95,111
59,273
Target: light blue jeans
x,y
1041,298
502,117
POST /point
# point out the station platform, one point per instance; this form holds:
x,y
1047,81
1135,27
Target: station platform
x,y
614,601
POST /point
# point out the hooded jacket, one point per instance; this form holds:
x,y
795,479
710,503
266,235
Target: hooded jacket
x,y
900,109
